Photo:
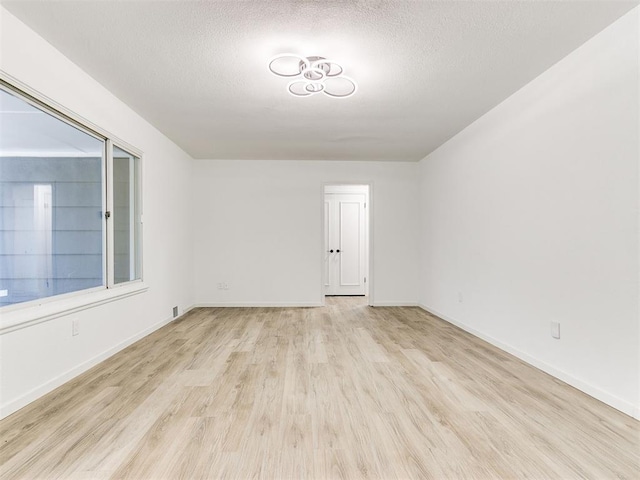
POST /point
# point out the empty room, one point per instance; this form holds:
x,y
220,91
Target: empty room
x,y
320,239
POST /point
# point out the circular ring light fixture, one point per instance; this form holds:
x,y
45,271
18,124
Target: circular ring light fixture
x,y
313,75
287,64
312,87
340,87
298,88
326,66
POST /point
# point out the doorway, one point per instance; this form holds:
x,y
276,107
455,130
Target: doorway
x,y
346,241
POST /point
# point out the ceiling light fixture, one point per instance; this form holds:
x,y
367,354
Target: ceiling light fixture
x,y
312,75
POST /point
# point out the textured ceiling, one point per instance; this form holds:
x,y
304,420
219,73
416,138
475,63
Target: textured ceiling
x,y
425,69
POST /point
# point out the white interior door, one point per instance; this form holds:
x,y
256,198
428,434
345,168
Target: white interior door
x,y
345,243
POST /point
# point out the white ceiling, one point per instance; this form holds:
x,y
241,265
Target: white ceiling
x,y
425,69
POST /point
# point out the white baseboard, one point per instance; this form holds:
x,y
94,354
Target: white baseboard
x,y
394,304
20,402
593,391
293,304
257,304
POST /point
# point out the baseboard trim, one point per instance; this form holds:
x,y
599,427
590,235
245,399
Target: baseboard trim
x,y
591,390
24,400
257,304
394,304
291,304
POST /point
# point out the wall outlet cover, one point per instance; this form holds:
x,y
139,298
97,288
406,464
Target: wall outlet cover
x,y
555,329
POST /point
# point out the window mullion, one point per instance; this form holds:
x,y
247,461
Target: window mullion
x,y
110,256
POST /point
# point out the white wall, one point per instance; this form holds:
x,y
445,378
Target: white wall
x,y
259,229
41,357
532,214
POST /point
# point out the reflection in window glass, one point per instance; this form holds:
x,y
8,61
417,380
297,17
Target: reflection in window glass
x,y
51,205
126,217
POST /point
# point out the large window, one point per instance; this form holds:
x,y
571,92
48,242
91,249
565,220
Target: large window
x,y
69,205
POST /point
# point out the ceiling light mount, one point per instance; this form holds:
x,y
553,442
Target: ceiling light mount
x,y
311,75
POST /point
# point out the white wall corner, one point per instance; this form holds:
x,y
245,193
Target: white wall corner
x,y
595,392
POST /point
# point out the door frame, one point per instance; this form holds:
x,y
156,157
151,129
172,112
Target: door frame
x,y
369,241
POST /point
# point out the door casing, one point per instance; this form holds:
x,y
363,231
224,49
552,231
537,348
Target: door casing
x,y
369,236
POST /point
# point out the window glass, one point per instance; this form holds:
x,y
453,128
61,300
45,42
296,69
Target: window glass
x,y
51,204
126,216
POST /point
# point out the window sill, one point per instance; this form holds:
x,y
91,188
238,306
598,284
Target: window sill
x,y
43,312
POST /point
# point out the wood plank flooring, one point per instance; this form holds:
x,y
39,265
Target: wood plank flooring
x,y
345,391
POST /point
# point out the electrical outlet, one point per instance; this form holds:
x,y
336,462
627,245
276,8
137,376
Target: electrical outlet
x,y
555,329
75,327
220,286
226,286
175,312
4,293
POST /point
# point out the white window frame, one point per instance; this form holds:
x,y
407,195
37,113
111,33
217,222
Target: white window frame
x,y
111,143
21,315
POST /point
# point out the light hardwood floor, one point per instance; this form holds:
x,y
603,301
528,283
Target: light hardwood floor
x,y
344,391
